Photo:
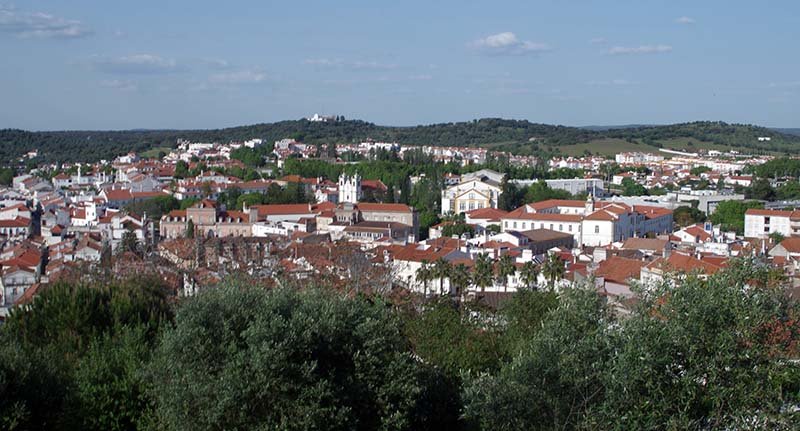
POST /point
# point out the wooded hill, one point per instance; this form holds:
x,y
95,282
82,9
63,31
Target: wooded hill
x,y
518,136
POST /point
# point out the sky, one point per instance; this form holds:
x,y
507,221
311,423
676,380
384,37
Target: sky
x,y
81,64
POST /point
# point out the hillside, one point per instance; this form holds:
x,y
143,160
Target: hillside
x,y
517,136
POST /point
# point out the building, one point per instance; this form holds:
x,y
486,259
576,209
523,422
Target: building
x,y
574,186
476,190
591,223
208,221
759,223
542,240
350,188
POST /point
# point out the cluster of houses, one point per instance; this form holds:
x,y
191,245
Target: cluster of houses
x,y
350,230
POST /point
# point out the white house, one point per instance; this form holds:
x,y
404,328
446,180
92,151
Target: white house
x,y
760,223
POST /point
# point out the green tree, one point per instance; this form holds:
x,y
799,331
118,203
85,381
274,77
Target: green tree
x,y
190,229
705,354
457,229
447,338
761,189
424,275
686,216
730,214
284,359
483,272
129,243
6,176
505,269
632,188
181,169
460,279
553,269
557,376
529,273
441,271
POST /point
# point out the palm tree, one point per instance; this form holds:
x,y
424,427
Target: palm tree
x,y
553,269
505,268
459,278
529,273
441,270
424,276
482,274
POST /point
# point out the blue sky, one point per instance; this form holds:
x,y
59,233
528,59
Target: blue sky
x,y
79,64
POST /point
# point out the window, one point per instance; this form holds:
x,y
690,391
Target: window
x,y
523,225
541,225
569,227
766,228
766,220
462,206
515,225
561,228
505,223
551,226
596,228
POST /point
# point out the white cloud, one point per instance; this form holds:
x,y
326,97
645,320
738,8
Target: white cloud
x,y
39,25
123,85
245,76
787,84
507,43
684,20
642,49
359,65
136,64
215,63
598,41
614,82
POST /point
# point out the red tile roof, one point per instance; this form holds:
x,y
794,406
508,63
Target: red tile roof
x,y
619,269
383,207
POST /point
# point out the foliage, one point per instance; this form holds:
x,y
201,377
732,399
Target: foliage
x,y
557,376
686,216
71,358
457,229
6,176
506,135
540,191
286,360
730,214
632,188
458,344
702,355
761,189
154,207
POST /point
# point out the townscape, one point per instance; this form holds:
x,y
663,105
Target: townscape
x,y
476,231
399,216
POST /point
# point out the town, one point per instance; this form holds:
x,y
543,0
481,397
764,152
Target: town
x,y
463,222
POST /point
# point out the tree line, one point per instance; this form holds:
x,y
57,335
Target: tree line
x,y
716,353
519,136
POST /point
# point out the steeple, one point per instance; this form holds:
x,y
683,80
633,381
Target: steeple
x,y
590,202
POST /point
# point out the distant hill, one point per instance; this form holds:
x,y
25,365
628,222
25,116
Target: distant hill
x,y
518,136
792,131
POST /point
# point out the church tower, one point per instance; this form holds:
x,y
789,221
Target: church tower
x,y
589,203
350,188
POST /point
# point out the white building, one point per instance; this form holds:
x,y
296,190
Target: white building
x,y
350,188
591,223
760,223
476,190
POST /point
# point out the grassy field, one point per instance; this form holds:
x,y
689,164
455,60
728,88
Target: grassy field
x,y
153,152
611,147
606,147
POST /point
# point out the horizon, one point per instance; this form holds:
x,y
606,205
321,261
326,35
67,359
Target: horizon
x,y
607,126
204,65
